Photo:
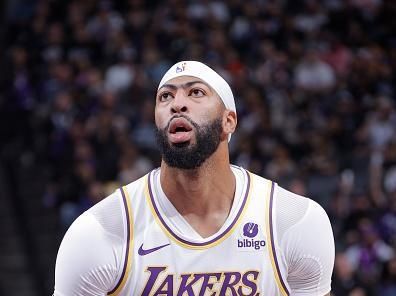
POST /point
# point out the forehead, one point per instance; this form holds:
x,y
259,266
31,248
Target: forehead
x,y
184,81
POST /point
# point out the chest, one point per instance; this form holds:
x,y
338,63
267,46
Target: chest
x,y
238,263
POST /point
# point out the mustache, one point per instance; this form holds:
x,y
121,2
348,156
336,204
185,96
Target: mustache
x,y
193,123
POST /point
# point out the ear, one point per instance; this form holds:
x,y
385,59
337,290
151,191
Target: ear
x,y
229,121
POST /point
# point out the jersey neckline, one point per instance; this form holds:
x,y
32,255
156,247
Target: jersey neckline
x,y
216,238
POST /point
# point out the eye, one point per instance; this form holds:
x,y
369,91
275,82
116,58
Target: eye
x,y
165,96
197,93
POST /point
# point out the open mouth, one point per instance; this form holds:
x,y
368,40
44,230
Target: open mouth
x,y
180,130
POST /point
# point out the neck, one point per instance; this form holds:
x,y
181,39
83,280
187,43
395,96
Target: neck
x,y
203,196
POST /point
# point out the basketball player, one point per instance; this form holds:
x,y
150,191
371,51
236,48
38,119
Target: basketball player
x,y
197,225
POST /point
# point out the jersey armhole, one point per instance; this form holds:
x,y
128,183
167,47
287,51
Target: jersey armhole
x,y
127,219
273,247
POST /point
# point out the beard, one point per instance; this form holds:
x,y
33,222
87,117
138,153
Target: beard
x,y
190,156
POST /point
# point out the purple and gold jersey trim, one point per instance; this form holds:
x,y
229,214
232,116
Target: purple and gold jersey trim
x,y
271,244
129,244
196,245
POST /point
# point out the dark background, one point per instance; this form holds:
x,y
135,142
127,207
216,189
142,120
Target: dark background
x,y
314,83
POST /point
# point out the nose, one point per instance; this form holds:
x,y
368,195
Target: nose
x,y
179,103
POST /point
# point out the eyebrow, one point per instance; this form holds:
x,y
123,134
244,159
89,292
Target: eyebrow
x,y
185,85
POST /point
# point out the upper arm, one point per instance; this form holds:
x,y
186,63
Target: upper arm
x,y
86,263
309,251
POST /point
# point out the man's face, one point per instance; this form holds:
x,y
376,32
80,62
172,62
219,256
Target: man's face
x,y
188,115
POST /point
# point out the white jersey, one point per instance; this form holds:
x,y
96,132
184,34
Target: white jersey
x,y
135,242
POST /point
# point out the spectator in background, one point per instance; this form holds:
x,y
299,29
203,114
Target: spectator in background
x,y
131,165
380,126
314,75
119,76
368,254
344,280
389,277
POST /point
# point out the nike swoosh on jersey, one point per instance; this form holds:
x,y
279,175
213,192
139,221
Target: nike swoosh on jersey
x,y
143,252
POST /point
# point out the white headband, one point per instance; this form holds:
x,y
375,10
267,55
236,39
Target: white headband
x,y
205,73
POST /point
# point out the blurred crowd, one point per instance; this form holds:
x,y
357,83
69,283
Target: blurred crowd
x,y
314,83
